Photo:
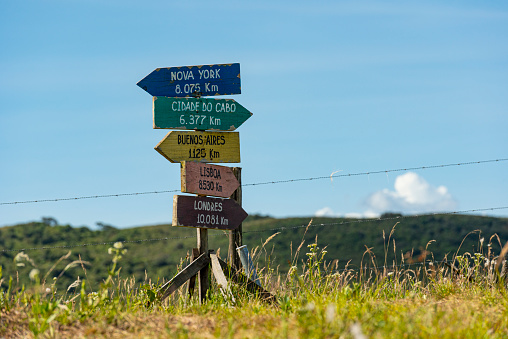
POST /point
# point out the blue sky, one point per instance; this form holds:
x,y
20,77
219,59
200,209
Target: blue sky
x,y
334,86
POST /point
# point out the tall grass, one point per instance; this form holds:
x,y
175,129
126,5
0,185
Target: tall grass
x,y
415,295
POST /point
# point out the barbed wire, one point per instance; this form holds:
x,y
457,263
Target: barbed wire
x,y
266,182
95,244
377,172
361,221
278,229
87,197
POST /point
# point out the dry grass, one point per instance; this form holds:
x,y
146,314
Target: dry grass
x,y
458,316
465,298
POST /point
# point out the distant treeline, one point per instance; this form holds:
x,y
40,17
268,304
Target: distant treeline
x,y
151,256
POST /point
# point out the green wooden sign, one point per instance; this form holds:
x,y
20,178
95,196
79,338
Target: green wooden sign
x,y
198,114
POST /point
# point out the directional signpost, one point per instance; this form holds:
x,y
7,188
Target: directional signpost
x,y
200,114
193,81
206,179
198,146
203,212
178,104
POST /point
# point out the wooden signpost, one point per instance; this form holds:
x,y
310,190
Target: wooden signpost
x,y
200,146
206,179
177,104
204,212
200,114
193,81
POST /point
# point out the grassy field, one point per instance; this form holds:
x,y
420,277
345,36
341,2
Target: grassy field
x,y
155,252
464,297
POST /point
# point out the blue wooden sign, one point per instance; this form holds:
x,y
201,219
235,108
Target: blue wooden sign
x,y
193,81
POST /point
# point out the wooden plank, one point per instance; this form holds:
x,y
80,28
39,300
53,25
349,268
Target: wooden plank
x,y
192,269
193,81
178,146
242,280
220,277
204,212
236,236
198,113
192,280
204,273
206,179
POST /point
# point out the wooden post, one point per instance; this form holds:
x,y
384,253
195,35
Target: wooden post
x,y
235,236
204,273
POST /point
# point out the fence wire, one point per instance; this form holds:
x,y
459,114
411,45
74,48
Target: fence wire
x,y
264,183
278,229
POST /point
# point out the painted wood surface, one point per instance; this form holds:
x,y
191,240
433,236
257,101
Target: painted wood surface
x,y
193,81
199,114
206,179
218,147
191,270
204,212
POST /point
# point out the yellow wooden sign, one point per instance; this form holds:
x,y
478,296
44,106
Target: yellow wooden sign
x,y
178,146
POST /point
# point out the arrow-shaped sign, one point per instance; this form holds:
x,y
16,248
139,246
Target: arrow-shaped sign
x,y
200,114
193,81
205,179
178,146
203,212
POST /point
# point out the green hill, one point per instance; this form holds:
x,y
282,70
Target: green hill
x,y
154,252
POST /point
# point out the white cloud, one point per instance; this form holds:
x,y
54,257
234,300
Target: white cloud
x,y
328,212
412,194
325,212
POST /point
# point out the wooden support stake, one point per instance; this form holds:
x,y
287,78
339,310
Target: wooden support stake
x,y
235,236
248,265
192,269
242,280
220,277
204,273
192,280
